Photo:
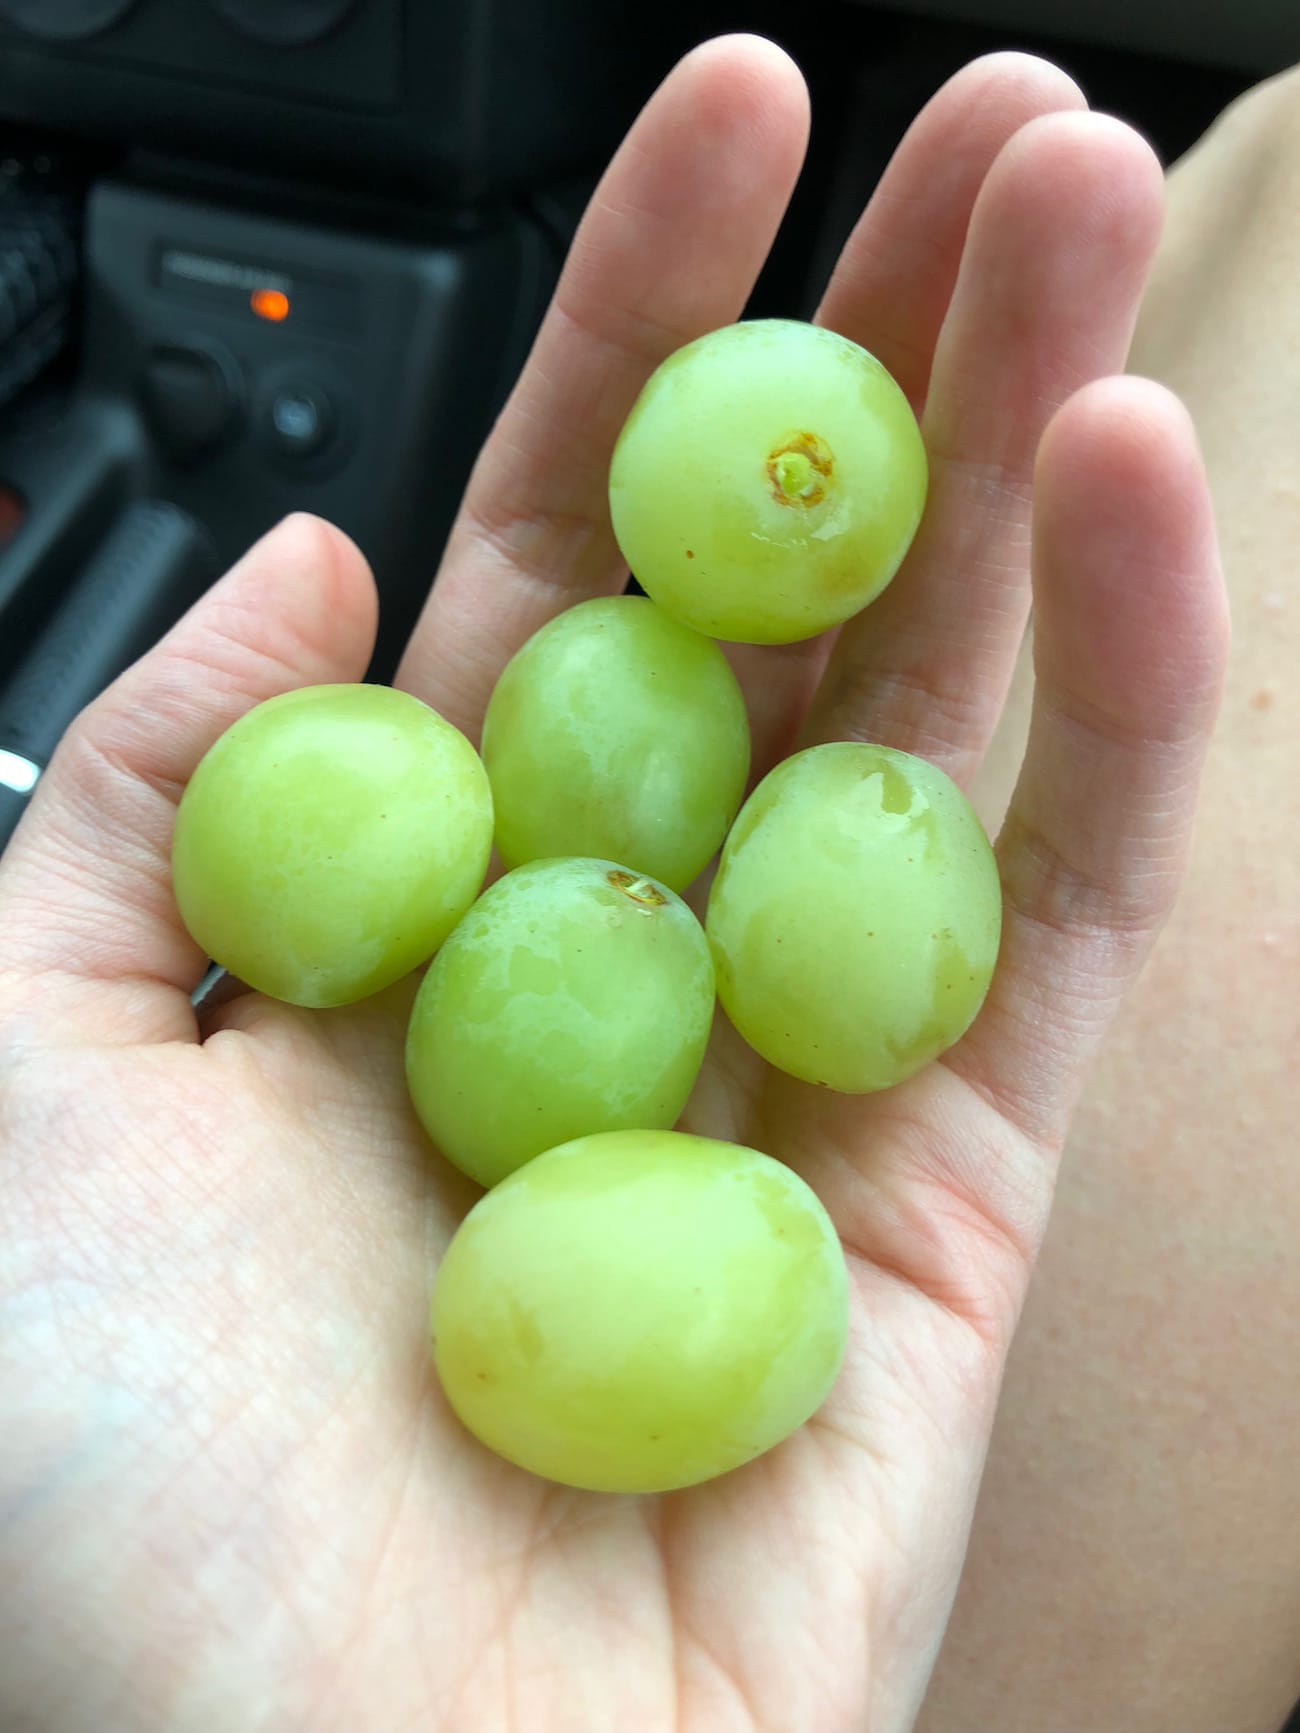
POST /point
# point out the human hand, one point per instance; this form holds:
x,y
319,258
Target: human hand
x,y
231,1493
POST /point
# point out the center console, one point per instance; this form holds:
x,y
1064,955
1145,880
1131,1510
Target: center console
x,y
314,239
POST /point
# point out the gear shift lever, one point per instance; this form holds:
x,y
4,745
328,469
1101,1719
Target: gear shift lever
x,y
152,564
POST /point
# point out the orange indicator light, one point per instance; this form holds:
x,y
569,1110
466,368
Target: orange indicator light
x,y
272,304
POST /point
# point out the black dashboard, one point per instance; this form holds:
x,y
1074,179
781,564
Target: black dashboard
x,y
266,255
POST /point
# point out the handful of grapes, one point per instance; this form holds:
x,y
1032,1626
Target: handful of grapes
x,y
630,1308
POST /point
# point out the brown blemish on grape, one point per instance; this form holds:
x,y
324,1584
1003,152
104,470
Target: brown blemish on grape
x,y
690,553
800,469
638,890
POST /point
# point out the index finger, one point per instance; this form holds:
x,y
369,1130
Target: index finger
x,y
669,248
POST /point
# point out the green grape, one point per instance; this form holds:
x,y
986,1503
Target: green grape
x,y
574,997
641,1311
855,916
617,733
330,840
768,482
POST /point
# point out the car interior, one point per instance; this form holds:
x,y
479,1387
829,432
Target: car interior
x,y
262,257
259,256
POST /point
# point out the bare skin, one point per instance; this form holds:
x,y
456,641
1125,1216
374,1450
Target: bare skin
x,y
1135,1560
230,1492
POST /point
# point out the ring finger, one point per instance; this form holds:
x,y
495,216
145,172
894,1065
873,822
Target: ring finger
x,y
1060,243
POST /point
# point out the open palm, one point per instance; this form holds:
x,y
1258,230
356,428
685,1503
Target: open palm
x,y
231,1494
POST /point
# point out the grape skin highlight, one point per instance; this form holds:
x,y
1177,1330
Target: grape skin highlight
x,y
768,482
641,1311
574,997
855,916
617,733
329,841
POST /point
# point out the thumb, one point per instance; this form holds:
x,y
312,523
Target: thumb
x,y
91,944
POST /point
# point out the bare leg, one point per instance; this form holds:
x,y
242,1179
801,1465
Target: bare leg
x,y
1135,1563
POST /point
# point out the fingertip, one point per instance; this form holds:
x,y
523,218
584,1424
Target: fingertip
x,y
1015,80
317,541
317,576
748,80
1129,588
1087,160
1119,437
747,54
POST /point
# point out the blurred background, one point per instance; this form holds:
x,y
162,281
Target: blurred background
x,y
267,255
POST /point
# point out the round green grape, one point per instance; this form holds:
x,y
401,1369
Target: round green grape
x,y
768,482
855,916
574,997
617,733
641,1311
330,840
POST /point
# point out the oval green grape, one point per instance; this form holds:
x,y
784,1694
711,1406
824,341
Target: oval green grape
x,y
641,1311
855,917
768,481
330,840
574,997
619,734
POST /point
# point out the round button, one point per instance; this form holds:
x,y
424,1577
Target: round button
x,y
287,21
64,20
190,396
302,419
